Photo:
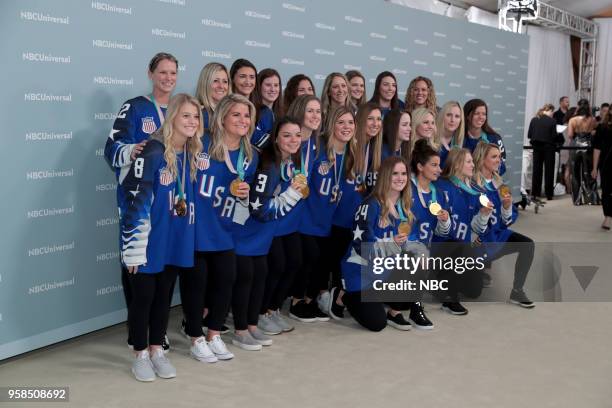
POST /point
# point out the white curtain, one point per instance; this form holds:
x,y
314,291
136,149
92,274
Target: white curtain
x,y
479,16
603,78
549,77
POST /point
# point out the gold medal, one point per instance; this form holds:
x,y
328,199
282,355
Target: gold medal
x,y
504,190
361,188
301,179
404,228
180,207
234,186
305,191
484,200
435,208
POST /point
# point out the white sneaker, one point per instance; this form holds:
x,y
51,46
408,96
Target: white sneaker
x,y
200,351
142,368
218,347
161,365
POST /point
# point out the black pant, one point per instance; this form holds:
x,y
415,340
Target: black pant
x,y
469,282
219,273
248,290
339,241
192,283
315,266
371,315
606,189
284,261
525,251
543,157
149,306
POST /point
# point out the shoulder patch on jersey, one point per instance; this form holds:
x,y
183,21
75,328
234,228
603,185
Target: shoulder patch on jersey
x,y
148,125
203,161
323,168
165,177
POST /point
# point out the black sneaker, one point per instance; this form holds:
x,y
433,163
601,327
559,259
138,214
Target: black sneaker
x,y
318,313
335,310
418,319
303,312
398,322
454,308
166,344
518,297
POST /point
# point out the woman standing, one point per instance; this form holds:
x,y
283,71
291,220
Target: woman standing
x,y
157,233
227,167
268,100
424,127
499,239
243,75
137,119
385,93
329,171
213,85
543,137
602,162
297,85
580,133
477,129
277,187
421,94
335,94
285,257
450,129
357,86
396,135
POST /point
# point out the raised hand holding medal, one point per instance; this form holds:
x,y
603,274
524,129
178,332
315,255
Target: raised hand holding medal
x,y
238,187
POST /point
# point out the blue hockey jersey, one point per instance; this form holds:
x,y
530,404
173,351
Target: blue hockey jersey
x,y
263,131
320,206
290,223
152,234
426,224
137,119
498,231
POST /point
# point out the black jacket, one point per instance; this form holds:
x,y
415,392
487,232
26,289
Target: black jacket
x,y
544,130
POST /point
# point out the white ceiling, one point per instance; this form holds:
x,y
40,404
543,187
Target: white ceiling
x,y
584,8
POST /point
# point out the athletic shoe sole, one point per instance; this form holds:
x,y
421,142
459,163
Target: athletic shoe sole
x,y
524,306
265,343
448,309
248,347
303,319
143,379
398,326
420,327
211,359
322,319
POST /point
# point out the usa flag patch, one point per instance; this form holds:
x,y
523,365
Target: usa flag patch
x,y
148,125
165,177
323,168
203,161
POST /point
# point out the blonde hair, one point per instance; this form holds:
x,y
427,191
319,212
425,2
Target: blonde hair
x,y
459,134
363,139
205,81
383,186
326,101
455,160
430,102
349,161
218,131
166,133
546,107
480,154
418,116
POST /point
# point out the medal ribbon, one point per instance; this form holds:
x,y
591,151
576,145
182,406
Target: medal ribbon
x,y
304,169
337,176
180,180
160,114
468,189
239,165
434,196
400,211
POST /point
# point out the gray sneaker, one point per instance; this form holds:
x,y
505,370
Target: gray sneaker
x,y
161,365
268,326
142,368
260,337
245,341
281,322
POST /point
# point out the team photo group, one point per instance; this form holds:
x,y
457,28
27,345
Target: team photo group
x,y
251,195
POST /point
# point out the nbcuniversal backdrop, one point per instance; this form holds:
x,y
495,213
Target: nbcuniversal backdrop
x,y
69,65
